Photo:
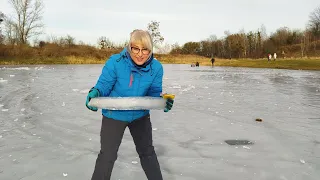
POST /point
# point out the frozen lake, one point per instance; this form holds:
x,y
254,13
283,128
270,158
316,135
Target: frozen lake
x,y
46,132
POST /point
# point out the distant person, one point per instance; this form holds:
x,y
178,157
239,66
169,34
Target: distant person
x,y
212,61
132,72
197,64
274,56
269,57
283,54
193,65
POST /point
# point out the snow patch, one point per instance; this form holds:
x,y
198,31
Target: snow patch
x,y
85,91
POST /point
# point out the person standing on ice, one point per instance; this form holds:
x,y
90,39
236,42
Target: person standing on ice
x,y
269,57
212,61
132,72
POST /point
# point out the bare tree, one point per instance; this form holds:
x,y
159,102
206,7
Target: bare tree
x,y
104,43
154,31
165,49
263,33
303,45
244,42
228,42
175,48
212,39
1,17
27,20
1,20
11,32
121,45
70,41
314,25
314,22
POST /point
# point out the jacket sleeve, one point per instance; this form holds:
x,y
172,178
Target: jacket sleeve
x,y
107,78
156,87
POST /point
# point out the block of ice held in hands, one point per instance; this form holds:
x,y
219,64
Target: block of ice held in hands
x,y
128,103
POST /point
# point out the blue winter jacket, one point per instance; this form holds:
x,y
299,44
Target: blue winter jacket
x,y
121,77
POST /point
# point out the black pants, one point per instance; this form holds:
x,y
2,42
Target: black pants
x,y
110,138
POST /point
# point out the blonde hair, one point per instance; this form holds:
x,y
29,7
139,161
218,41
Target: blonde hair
x,y
141,36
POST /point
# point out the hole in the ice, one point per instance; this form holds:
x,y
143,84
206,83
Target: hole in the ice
x,y
238,142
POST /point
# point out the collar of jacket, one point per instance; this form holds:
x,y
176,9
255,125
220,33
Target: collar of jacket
x,y
147,65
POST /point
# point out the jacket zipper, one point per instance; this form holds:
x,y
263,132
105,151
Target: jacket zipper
x,y
131,80
135,90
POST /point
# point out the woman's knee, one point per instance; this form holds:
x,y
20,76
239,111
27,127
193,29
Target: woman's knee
x,y
146,151
107,156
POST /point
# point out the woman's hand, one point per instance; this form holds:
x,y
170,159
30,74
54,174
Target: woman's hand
x,y
169,102
92,94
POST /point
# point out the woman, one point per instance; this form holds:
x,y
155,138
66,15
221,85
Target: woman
x,y
133,72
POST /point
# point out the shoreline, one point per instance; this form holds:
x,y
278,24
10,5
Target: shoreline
x,y
289,63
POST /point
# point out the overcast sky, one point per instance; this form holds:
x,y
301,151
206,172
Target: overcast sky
x,y
180,20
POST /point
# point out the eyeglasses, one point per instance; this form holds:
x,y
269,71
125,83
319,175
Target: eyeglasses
x,y
136,50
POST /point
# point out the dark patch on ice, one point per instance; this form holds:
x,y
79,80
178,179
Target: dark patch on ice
x,y
160,150
314,118
166,169
238,142
188,144
316,142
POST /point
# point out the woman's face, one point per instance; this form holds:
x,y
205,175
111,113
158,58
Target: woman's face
x,y
139,54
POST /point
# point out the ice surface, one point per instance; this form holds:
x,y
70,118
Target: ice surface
x,y
50,140
134,162
128,103
15,68
85,91
3,80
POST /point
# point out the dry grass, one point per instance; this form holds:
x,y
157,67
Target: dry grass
x,y
55,60
182,59
303,64
290,63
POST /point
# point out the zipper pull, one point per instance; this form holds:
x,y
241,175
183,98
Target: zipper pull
x,y
131,79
